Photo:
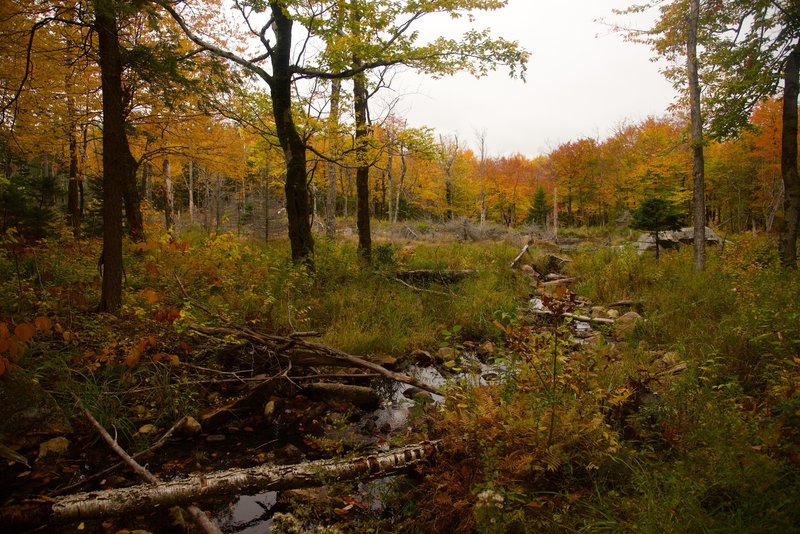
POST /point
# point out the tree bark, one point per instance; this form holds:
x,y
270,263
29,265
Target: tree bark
x,y
333,120
115,144
145,497
294,148
74,212
698,201
362,170
791,180
169,197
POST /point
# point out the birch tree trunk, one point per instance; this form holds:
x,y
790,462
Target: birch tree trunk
x,y
169,197
145,497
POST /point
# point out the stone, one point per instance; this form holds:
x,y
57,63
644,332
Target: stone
x,y
486,348
671,239
54,447
418,395
191,426
422,357
147,429
269,410
625,325
598,312
612,313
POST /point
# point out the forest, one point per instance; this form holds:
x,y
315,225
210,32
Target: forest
x,y
241,293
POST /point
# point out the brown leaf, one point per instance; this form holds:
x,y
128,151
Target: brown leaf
x,y
43,324
24,331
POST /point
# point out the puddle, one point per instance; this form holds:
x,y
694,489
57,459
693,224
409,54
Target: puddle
x,y
251,514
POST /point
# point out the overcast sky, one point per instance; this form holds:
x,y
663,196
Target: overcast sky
x,y
582,80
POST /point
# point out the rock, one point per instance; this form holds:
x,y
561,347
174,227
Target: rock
x,y
612,313
422,358
29,412
269,409
671,239
486,348
54,447
147,429
350,438
446,354
625,325
596,339
191,426
418,395
598,312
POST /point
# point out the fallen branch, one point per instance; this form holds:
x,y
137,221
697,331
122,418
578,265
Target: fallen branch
x,y
146,497
519,256
584,318
299,350
196,513
157,445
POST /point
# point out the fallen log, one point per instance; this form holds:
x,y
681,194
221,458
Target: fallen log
x,y
442,276
146,497
360,396
291,346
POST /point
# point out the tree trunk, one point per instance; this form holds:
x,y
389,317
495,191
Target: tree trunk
x,y
330,201
191,191
791,180
362,170
130,195
698,201
115,145
294,148
74,213
144,497
169,198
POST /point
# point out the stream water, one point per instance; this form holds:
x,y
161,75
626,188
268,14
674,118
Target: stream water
x,y
251,514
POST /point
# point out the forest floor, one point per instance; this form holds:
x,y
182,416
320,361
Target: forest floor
x,y
587,388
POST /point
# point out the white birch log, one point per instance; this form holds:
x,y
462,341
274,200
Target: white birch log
x,y
147,498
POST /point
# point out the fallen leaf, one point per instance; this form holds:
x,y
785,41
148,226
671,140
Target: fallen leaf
x,y
24,331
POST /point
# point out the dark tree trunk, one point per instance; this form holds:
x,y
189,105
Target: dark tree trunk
x,y
74,213
360,97
130,195
791,180
115,146
698,200
294,148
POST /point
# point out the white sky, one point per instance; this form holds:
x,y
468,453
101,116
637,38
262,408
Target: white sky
x,y
582,80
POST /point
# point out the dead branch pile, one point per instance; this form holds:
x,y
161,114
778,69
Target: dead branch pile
x,y
300,352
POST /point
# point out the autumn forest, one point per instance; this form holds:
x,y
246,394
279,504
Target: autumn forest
x,y
235,277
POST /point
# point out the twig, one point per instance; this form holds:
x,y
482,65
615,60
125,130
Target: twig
x,y
422,290
157,445
196,513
